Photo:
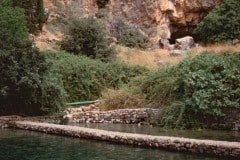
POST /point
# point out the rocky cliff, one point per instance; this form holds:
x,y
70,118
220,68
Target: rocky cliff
x,y
163,18
155,18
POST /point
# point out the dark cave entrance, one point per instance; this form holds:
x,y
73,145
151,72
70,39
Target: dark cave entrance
x,y
182,32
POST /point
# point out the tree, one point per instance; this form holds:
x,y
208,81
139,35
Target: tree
x,y
12,26
222,24
25,85
87,37
34,12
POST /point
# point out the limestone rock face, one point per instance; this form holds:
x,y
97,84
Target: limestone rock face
x,y
163,18
154,18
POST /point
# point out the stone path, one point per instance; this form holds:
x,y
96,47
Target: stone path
x,y
218,148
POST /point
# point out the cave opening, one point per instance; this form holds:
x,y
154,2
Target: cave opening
x,y
183,32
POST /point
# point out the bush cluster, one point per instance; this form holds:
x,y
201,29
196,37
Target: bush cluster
x,y
34,13
87,37
84,78
222,24
133,38
128,35
198,89
12,26
102,3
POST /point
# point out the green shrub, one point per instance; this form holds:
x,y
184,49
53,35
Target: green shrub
x,y
5,3
128,35
133,38
213,86
197,90
84,78
222,24
102,3
159,86
87,37
12,26
103,12
34,13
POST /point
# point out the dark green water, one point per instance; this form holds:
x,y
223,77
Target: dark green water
x,y
201,134
26,145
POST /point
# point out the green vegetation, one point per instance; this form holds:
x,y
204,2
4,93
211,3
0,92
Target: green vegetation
x,y
197,90
32,9
12,26
87,37
84,78
222,24
121,98
26,85
34,13
133,38
102,3
128,35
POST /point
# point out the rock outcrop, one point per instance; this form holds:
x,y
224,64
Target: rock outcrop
x,y
156,19
163,18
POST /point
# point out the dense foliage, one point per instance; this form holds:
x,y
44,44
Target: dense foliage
x,y
128,35
133,38
222,24
12,26
87,37
25,85
34,13
102,3
84,78
198,89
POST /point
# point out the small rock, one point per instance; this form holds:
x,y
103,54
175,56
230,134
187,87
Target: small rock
x,y
177,52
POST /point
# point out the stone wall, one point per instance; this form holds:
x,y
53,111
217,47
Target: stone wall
x,y
210,147
127,116
1,124
92,114
230,122
6,120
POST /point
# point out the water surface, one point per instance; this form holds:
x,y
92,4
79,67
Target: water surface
x,y
145,129
27,145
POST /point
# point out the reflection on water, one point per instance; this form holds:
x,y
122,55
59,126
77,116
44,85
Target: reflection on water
x,y
203,134
26,145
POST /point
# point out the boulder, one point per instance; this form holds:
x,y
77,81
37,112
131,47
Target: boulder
x,y
164,43
185,43
235,41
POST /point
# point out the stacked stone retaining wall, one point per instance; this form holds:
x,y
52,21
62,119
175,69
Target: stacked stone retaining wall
x,y
3,124
92,114
127,116
218,148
